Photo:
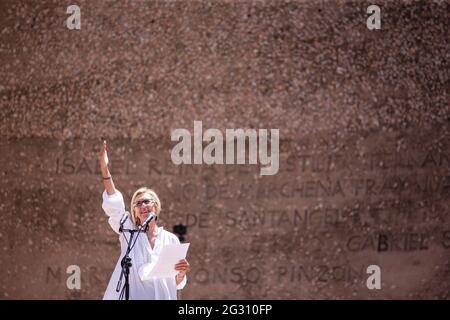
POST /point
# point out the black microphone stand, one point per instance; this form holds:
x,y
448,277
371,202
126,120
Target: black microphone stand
x,y
126,261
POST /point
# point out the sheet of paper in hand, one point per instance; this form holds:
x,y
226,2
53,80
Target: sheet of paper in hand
x,y
164,267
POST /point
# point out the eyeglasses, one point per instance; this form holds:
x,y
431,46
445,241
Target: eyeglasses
x,y
144,201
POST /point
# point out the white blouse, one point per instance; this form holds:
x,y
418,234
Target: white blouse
x,y
142,253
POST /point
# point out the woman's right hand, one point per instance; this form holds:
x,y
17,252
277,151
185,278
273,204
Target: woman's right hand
x,y
107,179
103,156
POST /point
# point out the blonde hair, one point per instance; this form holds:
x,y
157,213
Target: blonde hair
x,y
154,197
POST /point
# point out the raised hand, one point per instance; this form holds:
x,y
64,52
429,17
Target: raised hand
x,y
107,179
103,156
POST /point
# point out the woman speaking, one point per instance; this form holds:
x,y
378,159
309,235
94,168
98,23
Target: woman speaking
x,y
146,246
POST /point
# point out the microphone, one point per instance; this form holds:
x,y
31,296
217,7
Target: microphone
x,y
124,218
150,217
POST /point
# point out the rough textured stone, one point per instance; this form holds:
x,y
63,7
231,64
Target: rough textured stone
x,y
364,126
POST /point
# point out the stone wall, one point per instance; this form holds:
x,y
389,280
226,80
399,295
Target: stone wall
x,y
364,122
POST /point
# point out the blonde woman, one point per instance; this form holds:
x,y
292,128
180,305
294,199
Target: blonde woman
x,y
148,245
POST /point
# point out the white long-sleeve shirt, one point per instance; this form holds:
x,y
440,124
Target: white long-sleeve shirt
x,y
142,253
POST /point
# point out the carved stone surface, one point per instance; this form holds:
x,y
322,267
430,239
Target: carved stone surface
x,y
364,122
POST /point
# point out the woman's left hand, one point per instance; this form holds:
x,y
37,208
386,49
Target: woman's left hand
x,y
182,267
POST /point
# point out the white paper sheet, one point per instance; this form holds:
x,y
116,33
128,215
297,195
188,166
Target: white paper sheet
x,y
164,267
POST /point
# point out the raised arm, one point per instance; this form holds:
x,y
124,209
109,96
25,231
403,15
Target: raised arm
x,y
107,179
